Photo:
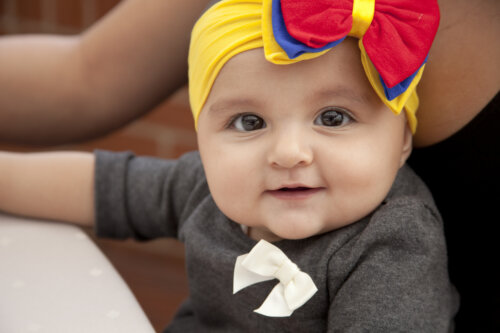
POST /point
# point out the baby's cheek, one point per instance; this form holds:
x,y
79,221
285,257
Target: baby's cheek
x,y
227,189
360,188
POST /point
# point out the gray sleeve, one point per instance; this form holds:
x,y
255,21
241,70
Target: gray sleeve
x,y
398,279
145,197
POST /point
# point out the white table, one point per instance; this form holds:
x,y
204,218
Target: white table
x,y
54,279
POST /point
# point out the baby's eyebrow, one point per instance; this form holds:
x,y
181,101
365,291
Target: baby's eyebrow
x,y
231,104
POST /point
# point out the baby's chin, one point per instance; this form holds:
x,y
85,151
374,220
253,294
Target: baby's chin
x,y
258,233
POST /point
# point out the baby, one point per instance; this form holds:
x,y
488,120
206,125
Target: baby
x,y
298,213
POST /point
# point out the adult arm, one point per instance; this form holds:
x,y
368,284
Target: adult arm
x,y
55,186
57,89
463,71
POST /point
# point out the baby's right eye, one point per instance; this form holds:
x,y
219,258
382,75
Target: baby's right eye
x,y
247,122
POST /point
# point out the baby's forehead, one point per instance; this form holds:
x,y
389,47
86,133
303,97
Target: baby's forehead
x,y
336,75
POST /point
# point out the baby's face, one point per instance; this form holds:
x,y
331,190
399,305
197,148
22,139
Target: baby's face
x,y
297,150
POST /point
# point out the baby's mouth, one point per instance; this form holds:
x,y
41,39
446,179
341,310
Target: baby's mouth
x,y
294,193
293,189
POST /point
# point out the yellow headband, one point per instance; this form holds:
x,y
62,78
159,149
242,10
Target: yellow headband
x,y
231,27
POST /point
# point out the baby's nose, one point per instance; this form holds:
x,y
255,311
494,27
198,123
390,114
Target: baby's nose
x,y
290,149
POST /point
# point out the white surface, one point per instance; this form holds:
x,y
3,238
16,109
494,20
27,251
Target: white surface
x,y
54,279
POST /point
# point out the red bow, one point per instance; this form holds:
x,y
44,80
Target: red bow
x,y
397,41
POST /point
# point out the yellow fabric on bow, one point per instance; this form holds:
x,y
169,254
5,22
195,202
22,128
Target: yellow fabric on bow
x,y
362,16
267,262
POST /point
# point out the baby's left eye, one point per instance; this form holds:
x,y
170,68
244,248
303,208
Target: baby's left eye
x,y
333,118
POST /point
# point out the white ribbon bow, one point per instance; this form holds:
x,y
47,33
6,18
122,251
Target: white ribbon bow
x,y
267,262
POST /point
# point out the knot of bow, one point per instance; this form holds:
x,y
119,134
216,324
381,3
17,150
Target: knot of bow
x,y
267,262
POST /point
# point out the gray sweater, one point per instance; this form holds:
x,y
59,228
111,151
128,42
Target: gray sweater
x,y
384,273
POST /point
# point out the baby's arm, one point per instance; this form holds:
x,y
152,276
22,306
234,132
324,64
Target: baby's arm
x,y
57,186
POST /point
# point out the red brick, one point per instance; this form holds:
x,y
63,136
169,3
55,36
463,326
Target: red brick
x,y
171,115
69,13
28,27
29,9
121,141
174,112
178,150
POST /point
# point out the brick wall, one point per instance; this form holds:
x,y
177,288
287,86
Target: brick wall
x,y
167,131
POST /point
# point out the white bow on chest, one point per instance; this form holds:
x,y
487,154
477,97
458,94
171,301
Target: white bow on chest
x,y
267,262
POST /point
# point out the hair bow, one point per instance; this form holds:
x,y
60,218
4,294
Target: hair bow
x,y
396,35
267,262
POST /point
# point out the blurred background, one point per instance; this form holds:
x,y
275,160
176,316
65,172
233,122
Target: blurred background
x,y
167,131
153,270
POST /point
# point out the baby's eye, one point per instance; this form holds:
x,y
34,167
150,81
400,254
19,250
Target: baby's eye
x,y
247,122
333,118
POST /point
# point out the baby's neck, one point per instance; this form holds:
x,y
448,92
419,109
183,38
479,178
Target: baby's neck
x,y
258,234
